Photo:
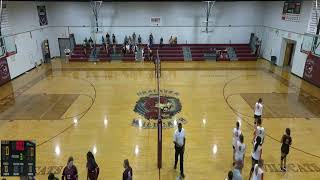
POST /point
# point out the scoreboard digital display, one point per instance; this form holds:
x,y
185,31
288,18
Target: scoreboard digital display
x,y
18,158
291,7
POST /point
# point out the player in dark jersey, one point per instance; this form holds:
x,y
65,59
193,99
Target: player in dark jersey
x,y
127,173
92,167
70,172
286,143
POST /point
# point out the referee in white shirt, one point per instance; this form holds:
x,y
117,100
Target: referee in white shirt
x,y
179,144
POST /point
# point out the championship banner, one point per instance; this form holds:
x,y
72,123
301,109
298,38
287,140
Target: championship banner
x,y
312,70
4,71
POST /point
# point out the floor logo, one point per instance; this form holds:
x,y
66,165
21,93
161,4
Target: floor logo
x,y
147,107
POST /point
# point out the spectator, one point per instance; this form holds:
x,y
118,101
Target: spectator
x,y
161,42
90,42
171,40
134,38
85,46
123,50
52,177
139,39
127,173
150,54
142,51
258,45
108,38
130,44
175,40
135,52
127,48
114,46
70,172
103,42
125,41
150,39
113,39
92,167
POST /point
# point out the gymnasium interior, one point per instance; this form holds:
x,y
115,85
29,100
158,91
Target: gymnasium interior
x,y
116,78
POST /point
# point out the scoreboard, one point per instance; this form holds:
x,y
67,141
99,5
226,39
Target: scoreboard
x,y
291,11
18,158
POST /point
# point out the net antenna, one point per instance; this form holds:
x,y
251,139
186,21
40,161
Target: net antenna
x,y
209,5
158,76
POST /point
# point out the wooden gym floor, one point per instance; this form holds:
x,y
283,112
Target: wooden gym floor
x,y
70,108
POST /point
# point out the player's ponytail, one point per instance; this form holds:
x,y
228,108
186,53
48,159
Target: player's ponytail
x,y
258,142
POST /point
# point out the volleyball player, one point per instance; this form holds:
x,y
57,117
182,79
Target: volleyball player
x,y
240,149
235,137
258,171
256,154
258,110
286,143
70,172
92,167
259,131
127,173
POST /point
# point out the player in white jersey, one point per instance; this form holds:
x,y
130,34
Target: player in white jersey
x,y
235,136
256,154
258,107
259,131
258,171
240,152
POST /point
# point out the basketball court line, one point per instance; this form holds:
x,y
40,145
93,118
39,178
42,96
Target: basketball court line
x,y
79,119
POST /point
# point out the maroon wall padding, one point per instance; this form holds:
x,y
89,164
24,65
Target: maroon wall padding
x,y
312,70
4,71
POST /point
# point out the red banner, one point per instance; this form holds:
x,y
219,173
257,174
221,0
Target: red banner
x,y
312,70
4,71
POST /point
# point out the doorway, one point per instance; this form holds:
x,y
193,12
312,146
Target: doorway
x,y
288,54
64,43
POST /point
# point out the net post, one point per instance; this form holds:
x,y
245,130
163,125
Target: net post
x,y
158,71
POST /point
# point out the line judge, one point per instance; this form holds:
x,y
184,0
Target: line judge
x,y
179,141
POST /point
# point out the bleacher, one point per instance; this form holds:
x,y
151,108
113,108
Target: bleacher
x,y
172,52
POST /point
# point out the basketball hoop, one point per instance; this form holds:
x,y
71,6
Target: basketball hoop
x,y
208,23
96,6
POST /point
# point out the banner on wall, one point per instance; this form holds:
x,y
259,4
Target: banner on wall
x,y
4,71
312,70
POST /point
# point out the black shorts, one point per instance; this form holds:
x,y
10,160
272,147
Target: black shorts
x,y
254,162
233,147
257,117
285,150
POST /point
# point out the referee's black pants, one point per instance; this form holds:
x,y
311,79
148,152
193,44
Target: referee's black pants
x,y
179,151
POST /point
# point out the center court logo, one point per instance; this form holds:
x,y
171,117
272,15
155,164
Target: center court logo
x,y
147,107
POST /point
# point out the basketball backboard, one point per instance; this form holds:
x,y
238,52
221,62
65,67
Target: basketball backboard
x,y
311,43
307,43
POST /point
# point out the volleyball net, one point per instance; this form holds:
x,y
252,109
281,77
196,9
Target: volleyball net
x,y
157,63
